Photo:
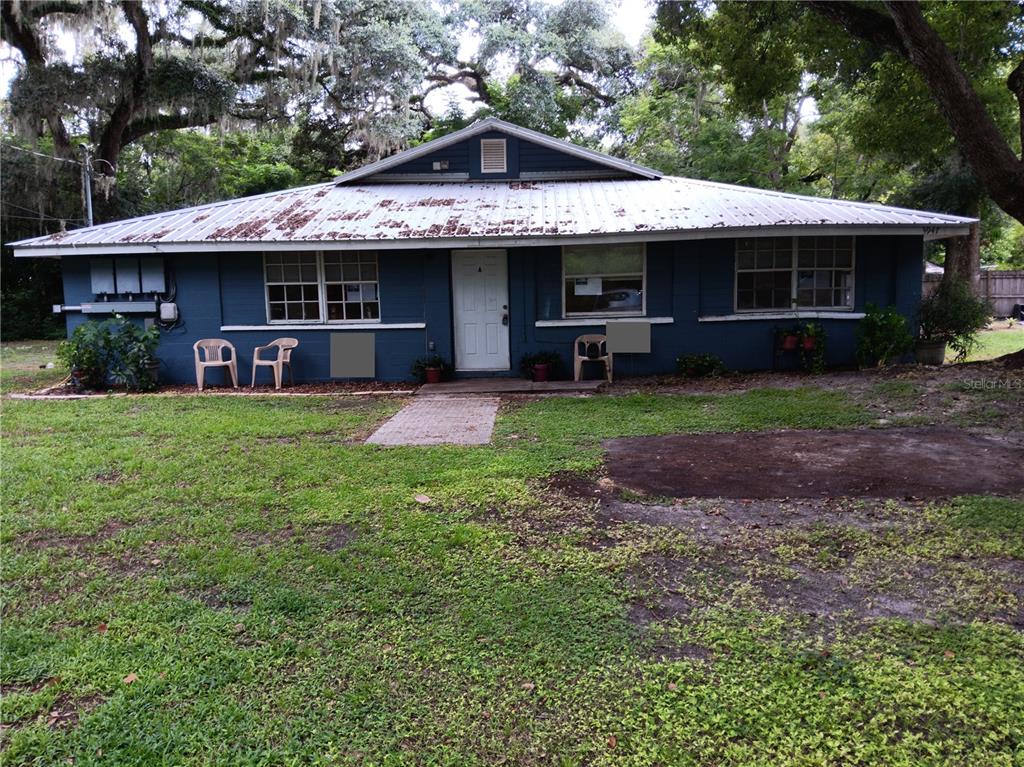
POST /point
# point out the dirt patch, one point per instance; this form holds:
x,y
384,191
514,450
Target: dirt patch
x,y
894,463
48,538
335,537
112,477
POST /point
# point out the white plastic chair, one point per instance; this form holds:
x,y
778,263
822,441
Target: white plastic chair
x,y
213,357
284,348
603,355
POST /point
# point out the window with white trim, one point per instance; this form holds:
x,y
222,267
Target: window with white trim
x,y
603,280
321,287
774,273
350,280
493,155
293,287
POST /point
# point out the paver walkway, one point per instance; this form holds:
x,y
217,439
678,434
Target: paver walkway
x,y
440,421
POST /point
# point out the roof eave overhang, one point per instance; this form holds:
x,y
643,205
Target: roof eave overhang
x,y
928,232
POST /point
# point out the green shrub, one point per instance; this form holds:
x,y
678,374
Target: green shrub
x,y
813,359
419,367
882,336
953,315
113,351
552,359
700,366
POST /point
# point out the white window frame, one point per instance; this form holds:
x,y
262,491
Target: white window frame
x,y
321,293
643,290
794,308
319,286
504,155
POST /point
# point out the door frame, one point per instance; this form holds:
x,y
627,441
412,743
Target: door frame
x,y
508,311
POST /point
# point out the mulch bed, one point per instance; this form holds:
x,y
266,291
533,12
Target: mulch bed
x,y
305,389
895,463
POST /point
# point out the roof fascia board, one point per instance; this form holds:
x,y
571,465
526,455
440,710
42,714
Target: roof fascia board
x,y
929,232
489,124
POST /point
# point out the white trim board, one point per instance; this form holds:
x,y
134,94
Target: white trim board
x,y
782,316
364,326
588,322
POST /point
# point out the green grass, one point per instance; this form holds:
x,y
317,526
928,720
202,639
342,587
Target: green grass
x,y
282,598
20,365
996,343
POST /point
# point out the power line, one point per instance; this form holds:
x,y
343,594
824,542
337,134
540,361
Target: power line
x,y
40,154
37,214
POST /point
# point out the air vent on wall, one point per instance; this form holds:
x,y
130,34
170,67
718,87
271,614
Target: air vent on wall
x,y
492,155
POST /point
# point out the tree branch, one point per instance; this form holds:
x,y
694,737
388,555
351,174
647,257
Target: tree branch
x,y
861,22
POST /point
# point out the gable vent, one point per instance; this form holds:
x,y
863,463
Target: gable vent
x,y
492,155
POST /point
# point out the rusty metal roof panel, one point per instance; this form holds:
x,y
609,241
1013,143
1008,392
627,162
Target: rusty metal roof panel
x,y
479,213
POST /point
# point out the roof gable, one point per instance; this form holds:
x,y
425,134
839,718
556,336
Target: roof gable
x,y
529,155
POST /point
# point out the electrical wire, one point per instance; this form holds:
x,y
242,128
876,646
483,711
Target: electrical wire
x,y
40,154
39,216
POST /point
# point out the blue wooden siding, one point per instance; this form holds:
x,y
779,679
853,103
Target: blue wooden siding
x,y
522,157
685,281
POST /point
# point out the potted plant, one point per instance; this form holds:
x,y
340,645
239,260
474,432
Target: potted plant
x,y
790,340
542,366
432,369
951,316
812,347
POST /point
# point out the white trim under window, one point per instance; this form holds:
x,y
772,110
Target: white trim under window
x,y
810,274
321,288
493,155
618,289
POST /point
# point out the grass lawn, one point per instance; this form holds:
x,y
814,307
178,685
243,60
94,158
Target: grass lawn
x,y
1002,339
22,365
198,580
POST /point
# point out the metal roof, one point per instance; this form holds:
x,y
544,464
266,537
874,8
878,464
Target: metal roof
x,y
494,124
488,214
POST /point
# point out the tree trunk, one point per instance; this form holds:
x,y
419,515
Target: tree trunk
x,y
963,259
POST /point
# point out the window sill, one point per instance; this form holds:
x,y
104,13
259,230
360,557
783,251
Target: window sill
x,y
330,326
800,315
582,322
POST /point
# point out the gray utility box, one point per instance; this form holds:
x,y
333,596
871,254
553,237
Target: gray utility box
x,y
353,355
629,336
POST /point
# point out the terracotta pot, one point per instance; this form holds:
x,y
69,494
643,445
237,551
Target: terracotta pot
x,y
930,352
789,342
809,344
433,375
540,372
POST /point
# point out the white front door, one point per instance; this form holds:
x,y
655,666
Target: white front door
x,y
480,307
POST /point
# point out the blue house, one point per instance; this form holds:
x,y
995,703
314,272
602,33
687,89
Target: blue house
x,y
489,244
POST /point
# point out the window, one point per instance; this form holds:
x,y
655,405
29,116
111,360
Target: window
x,y
308,287
492,155
351,285
781,273
603,279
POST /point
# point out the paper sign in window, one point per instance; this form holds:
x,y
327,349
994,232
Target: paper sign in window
x,y
587,286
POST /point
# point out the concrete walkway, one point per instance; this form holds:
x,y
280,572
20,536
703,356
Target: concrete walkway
x,y
440,421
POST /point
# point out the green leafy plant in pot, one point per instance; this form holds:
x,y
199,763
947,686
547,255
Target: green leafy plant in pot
x,y
432,369
812,347
542,366
115,351
949,317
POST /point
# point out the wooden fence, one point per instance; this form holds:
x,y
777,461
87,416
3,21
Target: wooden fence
x,y
1003,289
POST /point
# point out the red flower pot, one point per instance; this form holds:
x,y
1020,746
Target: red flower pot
x,y
540,372
808,344
789,342
433,375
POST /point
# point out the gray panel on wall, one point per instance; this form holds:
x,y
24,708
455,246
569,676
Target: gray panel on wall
x,y
629,337
101,274
127,275
152,268
353,355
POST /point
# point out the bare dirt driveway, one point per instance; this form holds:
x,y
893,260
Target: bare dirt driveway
x,y
894,463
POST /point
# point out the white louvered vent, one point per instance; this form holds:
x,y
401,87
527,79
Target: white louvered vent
x,y
492,155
